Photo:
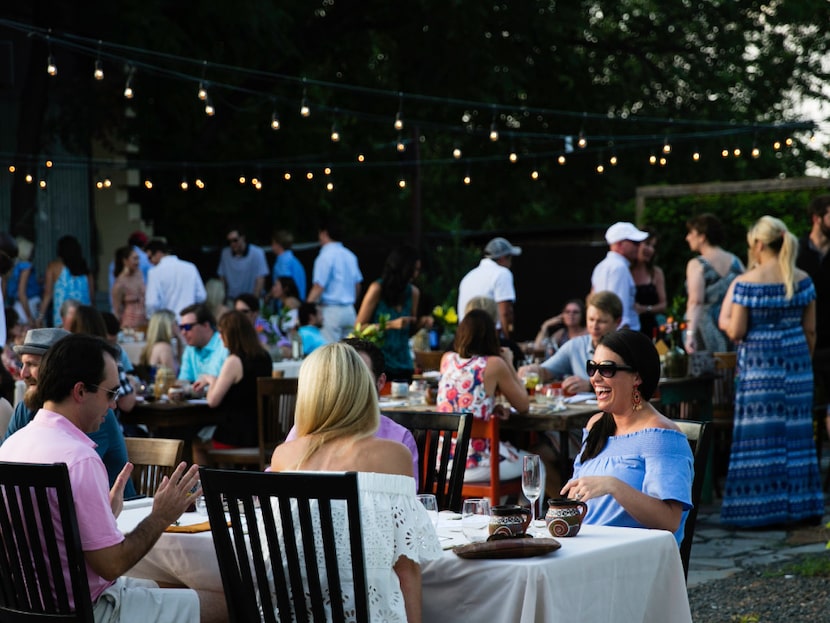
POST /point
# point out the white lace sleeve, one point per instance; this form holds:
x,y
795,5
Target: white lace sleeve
x,y
410,532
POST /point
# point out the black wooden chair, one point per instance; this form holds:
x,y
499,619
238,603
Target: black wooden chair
x,y
282,565
699,435
433,431
30,556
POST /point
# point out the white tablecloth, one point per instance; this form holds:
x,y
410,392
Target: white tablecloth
x,y
603,574
290,368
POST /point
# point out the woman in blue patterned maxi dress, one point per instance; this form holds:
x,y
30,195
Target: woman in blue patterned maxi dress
x,y
773,475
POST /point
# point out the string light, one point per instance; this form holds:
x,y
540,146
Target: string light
x,y
494,130
663,161
128,89
513,157
309,176
737,152
613,160
275,120
456,152
582,142
51,68
776,145
49,164
696,155
148,183
210,111
788,141
600,168
199,183
29,178
361,158
400,146
286,176
724,153
184,185
242,179
561,159
327,171
335,133
305,111
42,184
98,74
12,168
401,182
756,153
202,93
534,174
330,186
666,146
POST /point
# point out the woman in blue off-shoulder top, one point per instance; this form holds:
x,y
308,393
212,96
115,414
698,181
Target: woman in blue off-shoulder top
x,y
635,468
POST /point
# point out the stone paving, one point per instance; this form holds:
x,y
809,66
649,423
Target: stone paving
x,y
720,551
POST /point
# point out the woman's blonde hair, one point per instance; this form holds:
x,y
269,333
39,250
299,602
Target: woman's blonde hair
x,y
336,397
159,329
773,233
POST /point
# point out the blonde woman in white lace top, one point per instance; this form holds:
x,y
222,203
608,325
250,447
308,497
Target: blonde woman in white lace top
x,y
336,417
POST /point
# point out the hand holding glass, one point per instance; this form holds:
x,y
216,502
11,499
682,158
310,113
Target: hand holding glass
x,y
532,481
475,519
431,504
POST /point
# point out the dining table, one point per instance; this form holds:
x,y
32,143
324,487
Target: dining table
x,y
176,419
542,417
609,574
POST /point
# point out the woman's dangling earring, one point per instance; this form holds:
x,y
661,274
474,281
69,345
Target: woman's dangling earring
x,y
636,400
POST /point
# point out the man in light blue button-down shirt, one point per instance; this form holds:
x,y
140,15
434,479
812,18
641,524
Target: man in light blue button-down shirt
x,y
336,284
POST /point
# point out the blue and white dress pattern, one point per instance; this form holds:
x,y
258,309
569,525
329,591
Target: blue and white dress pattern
x,y
773,472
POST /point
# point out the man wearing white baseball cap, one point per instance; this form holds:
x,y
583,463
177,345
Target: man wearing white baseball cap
x,y
614,272
492,279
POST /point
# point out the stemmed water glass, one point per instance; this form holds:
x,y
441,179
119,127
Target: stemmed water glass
x,y
532,482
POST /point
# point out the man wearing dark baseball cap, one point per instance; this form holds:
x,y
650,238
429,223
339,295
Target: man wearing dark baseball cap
x,y
109,438
492,279
614,272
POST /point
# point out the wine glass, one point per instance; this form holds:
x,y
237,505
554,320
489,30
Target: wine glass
x,y
431,504
475,519
532,482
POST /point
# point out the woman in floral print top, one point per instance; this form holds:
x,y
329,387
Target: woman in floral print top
x,y
471,375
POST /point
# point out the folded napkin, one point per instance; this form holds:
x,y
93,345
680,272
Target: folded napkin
x,y
190,529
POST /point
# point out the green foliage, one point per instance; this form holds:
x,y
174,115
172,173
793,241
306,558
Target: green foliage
x,y
737,212
808,566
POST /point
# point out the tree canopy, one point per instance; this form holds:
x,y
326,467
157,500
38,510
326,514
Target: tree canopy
x,y
629,76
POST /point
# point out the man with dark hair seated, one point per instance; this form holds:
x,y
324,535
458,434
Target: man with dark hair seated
x,y
78,384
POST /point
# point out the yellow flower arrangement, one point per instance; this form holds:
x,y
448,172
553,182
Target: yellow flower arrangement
x,y
374,332
446,316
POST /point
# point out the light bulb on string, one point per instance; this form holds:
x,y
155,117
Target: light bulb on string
x,y
513,157
613,161
756,153
107,182
184,185
696,155
335,133
242,179
49,164
29,178
776,145
788,141
561,160
400,146
258,185
128,89
666,146
663,161
456,152
202,93
468,178
305,111
534,174
600,168
494,132
309,176
652,159
42,184
200,184
329,186
327,171
286,176
12,168
98,184
401,182
724,153
582,141
398,125
361,158
736,152
148,183
210,111
51,68
254,181
275,120
98,74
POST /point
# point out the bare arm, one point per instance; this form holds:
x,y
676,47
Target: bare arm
x,y
647,510
409,576
504,379
543,330
696,290
21,295
734,318
259,284
49,287
315,293
171,499
230,374
369,304
660,286
506,317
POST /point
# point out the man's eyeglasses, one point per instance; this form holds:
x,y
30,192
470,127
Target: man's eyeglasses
x,y
112,394
187,326
606,369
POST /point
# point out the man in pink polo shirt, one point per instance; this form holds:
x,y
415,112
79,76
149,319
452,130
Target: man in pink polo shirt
x,y
77,384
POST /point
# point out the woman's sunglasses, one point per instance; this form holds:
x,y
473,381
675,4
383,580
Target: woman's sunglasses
x,y
606,369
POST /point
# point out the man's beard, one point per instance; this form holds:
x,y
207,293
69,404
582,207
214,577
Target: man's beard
x,y
31,398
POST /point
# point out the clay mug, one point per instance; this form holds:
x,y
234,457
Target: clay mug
x,y
509,520
564,516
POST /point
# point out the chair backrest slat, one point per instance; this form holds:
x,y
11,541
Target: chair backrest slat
x,y
699,435
34,501
276,400
267,556
441,474
153,459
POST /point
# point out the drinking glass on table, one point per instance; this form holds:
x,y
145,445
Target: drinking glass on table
x,y
532,482
475,519
431,504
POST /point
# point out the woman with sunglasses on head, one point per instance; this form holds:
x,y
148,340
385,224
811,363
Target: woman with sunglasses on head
x,y
635,468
